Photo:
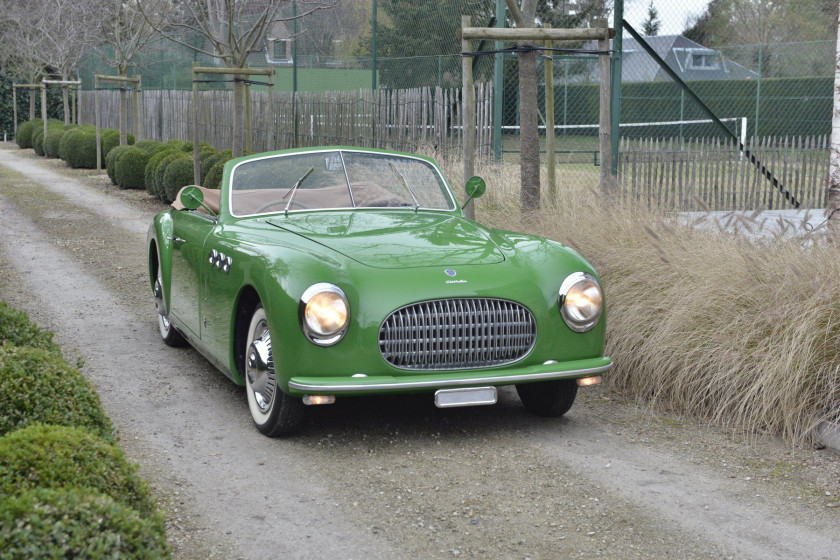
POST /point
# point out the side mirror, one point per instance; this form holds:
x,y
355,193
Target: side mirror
x,y
474,187
192,198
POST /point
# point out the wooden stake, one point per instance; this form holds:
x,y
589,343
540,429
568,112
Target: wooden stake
x,y
549,122
468,114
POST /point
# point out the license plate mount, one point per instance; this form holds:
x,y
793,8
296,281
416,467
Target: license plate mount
x,y
467,396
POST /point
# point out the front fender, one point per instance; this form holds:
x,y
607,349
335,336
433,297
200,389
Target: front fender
x,y
159,242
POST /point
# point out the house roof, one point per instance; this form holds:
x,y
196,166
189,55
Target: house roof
x,y
690,60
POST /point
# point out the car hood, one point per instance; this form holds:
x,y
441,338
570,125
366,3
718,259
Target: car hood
x,y
404,239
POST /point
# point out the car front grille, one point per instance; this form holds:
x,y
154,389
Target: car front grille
x,y
457,334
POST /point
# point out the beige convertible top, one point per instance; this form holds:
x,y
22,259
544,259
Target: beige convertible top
x,y
211,199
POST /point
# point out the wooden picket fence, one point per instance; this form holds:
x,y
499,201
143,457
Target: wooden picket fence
x,y
713,174
422,119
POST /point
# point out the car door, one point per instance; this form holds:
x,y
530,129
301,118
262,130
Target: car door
x,y
189,268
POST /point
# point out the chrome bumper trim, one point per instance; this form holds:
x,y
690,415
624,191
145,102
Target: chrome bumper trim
x,y
387,385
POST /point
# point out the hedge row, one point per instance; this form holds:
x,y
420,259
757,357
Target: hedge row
x,y
162,168
66,490
75,144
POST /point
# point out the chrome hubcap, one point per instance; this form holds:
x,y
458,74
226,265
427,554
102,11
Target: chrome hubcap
x,y
159,298
259,369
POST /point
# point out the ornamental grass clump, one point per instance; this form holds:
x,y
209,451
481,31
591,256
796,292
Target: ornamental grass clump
x,y
737,328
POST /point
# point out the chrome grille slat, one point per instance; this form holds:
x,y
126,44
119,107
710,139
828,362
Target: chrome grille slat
x,y
458,333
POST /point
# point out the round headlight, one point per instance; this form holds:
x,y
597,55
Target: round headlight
x,y
324,313
581,301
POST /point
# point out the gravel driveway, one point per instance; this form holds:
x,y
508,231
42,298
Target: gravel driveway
x,y
385,478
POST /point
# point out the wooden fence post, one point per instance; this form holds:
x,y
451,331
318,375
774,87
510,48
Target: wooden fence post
x,y
14,110
549,121
196,161
44,106
468,113
98,123
605,142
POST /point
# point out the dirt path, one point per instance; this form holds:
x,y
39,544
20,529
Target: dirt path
x,y
385,478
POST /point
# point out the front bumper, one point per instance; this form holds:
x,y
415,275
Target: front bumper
x,y
378,384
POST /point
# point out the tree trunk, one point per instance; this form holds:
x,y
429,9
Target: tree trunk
x,y
123,113
65,97
529,134
238,99
834,166
32,96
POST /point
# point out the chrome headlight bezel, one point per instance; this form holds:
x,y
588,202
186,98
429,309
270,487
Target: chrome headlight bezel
x,y
575,281
313,331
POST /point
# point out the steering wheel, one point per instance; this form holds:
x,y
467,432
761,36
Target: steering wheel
x,y
268,205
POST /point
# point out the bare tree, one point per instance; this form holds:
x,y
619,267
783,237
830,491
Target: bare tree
x,y
524,16
21,44
232,30
68,28
127,30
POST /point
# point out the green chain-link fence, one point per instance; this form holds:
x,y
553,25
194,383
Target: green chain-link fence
x,y
759,89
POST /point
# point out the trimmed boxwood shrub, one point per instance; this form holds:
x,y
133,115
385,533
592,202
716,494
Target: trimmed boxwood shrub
x,y
65,142
130,168
209,161
151,146
111,161
160,190
180,145
214,176
53,139
48,524
179,173
39,386
16,329
25,131
150,174
44,456
79,150
38,140
110,139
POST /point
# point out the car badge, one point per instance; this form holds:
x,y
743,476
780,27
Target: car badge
x,y
451,273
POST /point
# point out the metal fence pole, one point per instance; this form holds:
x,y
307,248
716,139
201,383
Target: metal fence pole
x,y
615,82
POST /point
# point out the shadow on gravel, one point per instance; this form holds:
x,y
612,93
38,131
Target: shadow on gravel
x,y
415,417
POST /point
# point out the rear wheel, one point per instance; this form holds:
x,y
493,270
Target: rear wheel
x,y
274,412
170,336
548,398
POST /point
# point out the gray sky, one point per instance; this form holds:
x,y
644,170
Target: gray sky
x,y
672,13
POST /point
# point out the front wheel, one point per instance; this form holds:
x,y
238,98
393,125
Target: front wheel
x,y
548,398
170,336
274,412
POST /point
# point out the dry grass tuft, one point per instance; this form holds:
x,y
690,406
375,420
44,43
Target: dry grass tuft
x,y
741,329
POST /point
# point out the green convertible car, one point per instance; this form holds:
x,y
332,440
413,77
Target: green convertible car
x,y
330,272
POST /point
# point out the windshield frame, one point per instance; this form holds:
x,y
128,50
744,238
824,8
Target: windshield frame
x,y
447,190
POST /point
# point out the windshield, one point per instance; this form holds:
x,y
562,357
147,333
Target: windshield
x,y
336,179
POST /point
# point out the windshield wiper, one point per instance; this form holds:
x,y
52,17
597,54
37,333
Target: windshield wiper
x,y
402,179
293,190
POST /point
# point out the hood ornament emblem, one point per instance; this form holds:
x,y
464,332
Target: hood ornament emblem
x,y
451,273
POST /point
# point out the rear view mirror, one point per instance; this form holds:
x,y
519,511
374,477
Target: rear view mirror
x,y
192,197
474,187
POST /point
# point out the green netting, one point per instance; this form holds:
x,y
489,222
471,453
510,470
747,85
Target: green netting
x,y
776,88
